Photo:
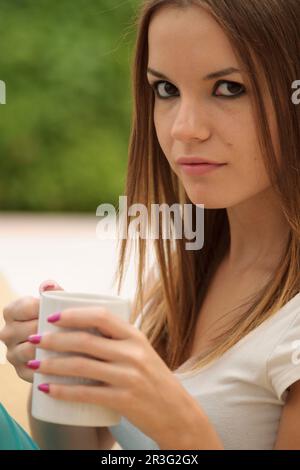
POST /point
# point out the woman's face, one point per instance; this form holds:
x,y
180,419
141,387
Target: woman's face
x,y
209,118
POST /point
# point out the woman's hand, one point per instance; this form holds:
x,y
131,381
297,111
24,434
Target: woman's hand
x,y
135,380
21,320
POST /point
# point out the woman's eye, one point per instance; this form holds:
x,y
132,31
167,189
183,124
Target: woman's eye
x,y
227,89
223,89
159,87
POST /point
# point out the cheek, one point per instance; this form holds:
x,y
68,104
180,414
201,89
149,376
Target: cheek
x,y
162,127
247,172
238,132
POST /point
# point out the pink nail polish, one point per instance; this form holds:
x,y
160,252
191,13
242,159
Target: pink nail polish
x,y
34,339
34,364
49,285
54,317
44,388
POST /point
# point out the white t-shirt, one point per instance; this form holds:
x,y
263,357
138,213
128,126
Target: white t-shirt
x,y
242,392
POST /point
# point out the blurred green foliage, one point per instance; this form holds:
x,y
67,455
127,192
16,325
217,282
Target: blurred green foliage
x,y
64,130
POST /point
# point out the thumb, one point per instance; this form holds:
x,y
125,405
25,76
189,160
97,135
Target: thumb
x,y
49,285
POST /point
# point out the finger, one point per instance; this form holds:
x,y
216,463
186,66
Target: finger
x,y
18,332
24,352
22,309
49,285
82,367
25,373
80,342
21,354
104,395
108,323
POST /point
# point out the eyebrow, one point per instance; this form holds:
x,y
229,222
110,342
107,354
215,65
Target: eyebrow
x,y
210,76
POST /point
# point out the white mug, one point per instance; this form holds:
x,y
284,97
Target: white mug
x,y
57,411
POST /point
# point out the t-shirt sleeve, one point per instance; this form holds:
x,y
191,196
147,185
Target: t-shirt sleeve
x,y
283,365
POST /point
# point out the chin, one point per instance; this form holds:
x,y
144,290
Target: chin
x,y
208,204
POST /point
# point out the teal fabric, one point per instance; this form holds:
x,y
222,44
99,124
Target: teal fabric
x,y
12,436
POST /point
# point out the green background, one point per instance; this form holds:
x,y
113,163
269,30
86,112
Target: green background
x,y
65,127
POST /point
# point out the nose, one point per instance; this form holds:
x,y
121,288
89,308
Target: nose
x,y
191,122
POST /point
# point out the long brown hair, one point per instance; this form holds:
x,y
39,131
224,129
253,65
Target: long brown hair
x,y
265,36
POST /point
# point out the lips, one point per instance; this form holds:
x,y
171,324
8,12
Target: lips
x,y
200,164
194,160
199,169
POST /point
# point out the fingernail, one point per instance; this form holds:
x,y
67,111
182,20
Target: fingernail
x,y
54,317
34,364
44,388
34,339
49,285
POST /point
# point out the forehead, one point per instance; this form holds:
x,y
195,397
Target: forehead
x,y
188,35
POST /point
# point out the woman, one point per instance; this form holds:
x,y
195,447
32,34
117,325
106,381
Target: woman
x,y
214,363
